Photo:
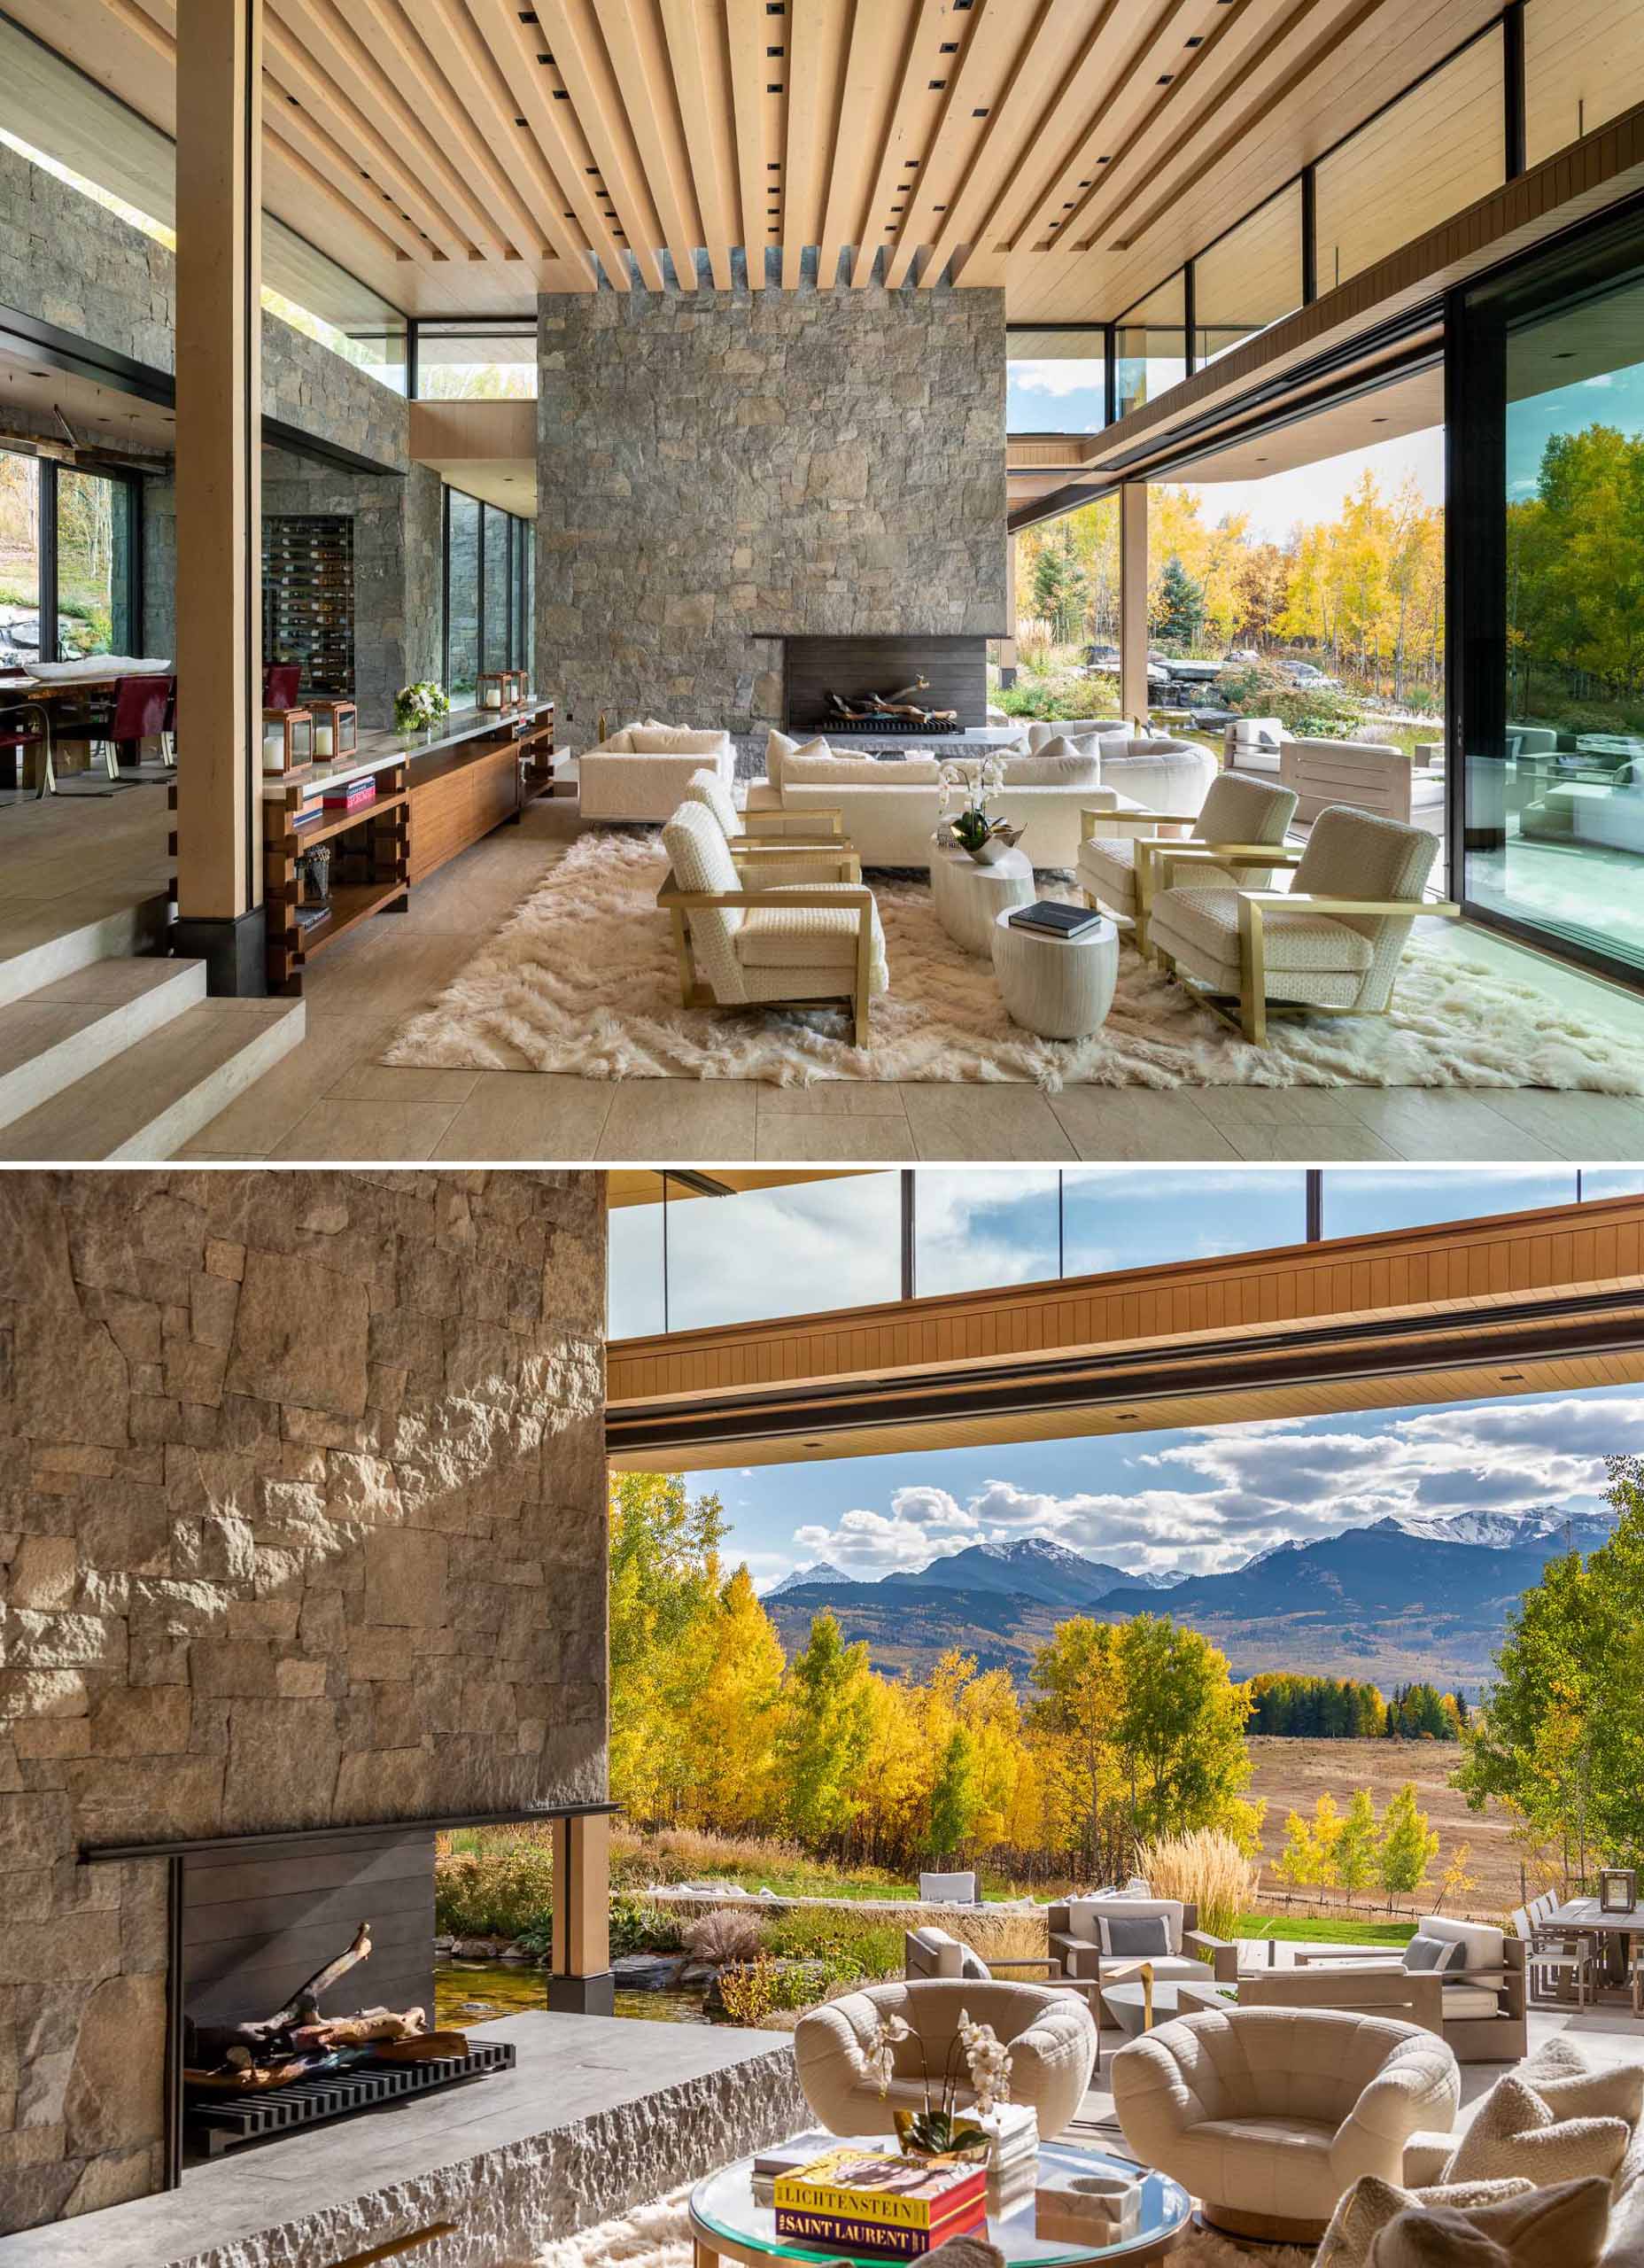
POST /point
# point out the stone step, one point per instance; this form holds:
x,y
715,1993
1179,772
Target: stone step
x,y
156,1094
112,921
63,1032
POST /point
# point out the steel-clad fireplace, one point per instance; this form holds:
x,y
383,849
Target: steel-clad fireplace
x,y
953,668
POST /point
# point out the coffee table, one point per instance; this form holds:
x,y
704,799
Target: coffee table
x,y
1061,988
968,896
728,2224
1126,2004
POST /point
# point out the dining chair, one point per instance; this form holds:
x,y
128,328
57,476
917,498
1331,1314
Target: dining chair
x,y
21,729
137,714
282,683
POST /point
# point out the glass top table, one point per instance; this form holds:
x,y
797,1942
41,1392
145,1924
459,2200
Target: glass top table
x,y
727,2224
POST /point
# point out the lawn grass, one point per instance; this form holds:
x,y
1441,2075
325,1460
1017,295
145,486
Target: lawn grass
x,y
1311,1928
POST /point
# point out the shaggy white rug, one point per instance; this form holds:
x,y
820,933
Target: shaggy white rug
x,y
658,2235
582,979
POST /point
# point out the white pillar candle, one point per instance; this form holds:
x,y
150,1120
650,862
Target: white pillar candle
x,y
322,740
493,696
273,747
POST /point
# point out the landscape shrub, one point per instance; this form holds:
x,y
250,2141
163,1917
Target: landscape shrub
x,y
673,1854
639,1925
725,1938
850,1947
499,1890
1206,1869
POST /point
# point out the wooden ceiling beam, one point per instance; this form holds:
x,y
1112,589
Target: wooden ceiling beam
x,y
355,69
579,53
877,34
816,40
328,102
696,52
745,21
919,51
639,53
515,47
383,27
309,149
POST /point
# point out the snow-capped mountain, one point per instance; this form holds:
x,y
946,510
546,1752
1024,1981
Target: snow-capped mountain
x,y
820,1571
1543,1524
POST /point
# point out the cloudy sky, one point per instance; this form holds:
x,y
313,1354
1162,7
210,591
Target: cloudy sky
x,y
1202,1502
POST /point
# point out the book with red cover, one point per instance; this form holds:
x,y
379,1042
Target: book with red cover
x,y
349,798
880,2204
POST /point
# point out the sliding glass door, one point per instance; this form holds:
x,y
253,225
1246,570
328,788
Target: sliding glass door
x,y
94,565
1551,583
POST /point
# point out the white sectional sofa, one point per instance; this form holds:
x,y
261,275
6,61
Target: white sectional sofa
x,y
640,774
889,807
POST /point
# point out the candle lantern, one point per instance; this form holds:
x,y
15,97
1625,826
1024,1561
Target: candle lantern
x,y
287,739
1617,1890
335,728
493,692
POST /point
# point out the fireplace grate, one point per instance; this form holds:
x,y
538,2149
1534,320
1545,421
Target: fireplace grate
x,y
223,2121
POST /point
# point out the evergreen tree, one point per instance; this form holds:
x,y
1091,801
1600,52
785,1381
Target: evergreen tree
x,y
1061,586
1178,608
953,1798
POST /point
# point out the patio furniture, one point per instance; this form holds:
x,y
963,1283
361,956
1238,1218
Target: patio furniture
x,y
1479,1970
1611,1936
1120,851
930,1951
969,898
949,1889
729,2221
1086,1948
1329,947
1050,2036
1557,1965
1268,2115
1060,987
1361,776
741,945
640,772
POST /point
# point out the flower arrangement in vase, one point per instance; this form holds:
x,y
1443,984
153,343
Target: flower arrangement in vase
x,y
941,2129
970,785
419,708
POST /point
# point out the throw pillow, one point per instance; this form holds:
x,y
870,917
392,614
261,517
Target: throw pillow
x,y
1566,2224
1515,2133
1144,1938
1425,1952
779,748
1617,2093
1061,764
1364,2212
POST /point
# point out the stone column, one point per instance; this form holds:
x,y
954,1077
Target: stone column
x,y
579,1966
1133,599
218,503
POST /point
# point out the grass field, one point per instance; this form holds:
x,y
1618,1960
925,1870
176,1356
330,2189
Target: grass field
x,y
1293,1774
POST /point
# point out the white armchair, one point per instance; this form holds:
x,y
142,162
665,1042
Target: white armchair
x,y
745,942
1119,855
1330,945
638,773
771,855
1268,2115
1050,2035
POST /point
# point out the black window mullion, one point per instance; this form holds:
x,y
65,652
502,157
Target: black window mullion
x,y
1189,317
445,583
48,648
1309,234
1513,87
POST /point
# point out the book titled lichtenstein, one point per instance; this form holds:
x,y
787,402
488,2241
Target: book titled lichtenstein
x,y
874,2204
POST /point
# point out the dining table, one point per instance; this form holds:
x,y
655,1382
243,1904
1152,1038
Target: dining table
x,y
1612,1932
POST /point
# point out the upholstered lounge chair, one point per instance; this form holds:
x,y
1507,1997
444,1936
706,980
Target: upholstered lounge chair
x,y
742,943
1330,945
930,1951
1050,2035
771,855
1120,853
1268,2115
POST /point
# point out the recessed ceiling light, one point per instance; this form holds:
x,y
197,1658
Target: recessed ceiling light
x,y
936,83
979,114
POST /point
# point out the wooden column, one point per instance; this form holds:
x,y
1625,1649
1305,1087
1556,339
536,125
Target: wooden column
x,y
1133,599
219,490
580,1964
1007,644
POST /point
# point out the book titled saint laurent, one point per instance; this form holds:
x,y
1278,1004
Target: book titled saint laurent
x,y
872,2201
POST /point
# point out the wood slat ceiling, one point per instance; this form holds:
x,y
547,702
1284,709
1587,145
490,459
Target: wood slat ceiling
x,y
1512,1304
460,155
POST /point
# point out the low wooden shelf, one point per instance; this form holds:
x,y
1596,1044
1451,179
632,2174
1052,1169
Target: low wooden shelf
x,y
370,871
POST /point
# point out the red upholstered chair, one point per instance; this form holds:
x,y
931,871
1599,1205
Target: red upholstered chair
x,y
139,714
168,730
281,681
21,730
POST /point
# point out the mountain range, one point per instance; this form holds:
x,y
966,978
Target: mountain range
x,y
1413,1596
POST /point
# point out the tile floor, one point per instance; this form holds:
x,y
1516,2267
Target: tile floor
x,y
331,1100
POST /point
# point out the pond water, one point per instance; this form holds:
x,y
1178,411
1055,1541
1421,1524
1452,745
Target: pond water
x,y
477,1991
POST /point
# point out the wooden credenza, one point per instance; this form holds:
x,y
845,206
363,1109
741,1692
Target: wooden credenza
x,y
459,795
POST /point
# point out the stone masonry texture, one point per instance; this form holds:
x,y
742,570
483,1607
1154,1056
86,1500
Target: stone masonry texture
x,y
711,464
302,1523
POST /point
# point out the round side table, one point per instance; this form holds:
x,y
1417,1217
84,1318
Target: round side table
x,y
1059,987
968,898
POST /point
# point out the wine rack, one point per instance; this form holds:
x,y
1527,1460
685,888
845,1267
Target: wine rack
x,y
308,599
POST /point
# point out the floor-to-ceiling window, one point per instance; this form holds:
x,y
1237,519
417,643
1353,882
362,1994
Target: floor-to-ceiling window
x,y
490,575
69,545
19,558
1552,574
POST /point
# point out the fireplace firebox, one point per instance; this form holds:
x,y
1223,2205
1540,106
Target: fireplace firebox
x,y
943,674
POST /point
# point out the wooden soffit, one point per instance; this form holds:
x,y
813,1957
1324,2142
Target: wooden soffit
x,y
1513,1304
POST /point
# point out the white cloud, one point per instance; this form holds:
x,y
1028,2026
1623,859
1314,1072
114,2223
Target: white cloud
x,y
1057,376
1206,1503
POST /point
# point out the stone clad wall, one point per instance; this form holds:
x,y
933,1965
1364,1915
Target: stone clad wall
x,y
303,1524
711,463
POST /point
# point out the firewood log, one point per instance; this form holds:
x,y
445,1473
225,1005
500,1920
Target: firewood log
x,y
374,2024
209,2043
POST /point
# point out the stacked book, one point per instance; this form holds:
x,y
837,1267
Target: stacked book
x,y
351,795
1052,917
875,2205
306,814
1013,2158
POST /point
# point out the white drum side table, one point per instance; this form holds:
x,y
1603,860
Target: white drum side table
x,y
968,896
1059,987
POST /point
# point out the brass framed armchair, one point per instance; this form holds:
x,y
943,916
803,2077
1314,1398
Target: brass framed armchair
x,y
816,853
1329,947
1123,854
744,940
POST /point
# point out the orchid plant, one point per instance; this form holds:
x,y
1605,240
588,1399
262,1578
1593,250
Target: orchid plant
x,y
942,2128
970,784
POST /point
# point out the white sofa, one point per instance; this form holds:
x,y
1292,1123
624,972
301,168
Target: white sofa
x,y
640,774
888,809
